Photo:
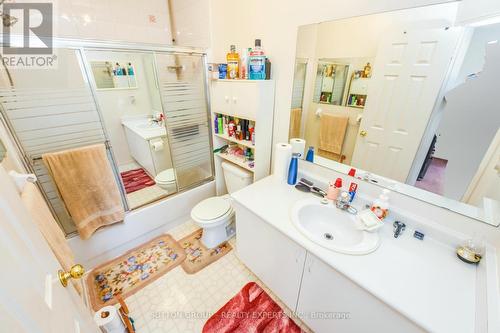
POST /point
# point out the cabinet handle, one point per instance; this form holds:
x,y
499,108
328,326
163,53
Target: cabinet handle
x,y
226,98
235,100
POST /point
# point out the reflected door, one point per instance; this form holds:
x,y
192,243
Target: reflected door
x,y
409,71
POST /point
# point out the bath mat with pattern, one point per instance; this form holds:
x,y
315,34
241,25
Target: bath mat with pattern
x,y
136,179
134,270
251,310
198,256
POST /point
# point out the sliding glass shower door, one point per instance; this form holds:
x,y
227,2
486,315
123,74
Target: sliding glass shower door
x,y
182,85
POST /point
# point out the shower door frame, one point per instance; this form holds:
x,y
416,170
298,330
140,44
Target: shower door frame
x,y
80,46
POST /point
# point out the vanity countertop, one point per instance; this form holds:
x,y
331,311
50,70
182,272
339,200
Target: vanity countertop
x,y
423,280
143,127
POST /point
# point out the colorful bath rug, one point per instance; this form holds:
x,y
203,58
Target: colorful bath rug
x,y
251,310
197,255
134,270
136,179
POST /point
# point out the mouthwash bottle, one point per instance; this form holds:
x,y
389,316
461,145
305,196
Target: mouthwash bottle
x,y
257,62
233,61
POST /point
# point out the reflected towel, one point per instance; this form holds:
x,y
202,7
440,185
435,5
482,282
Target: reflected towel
x,y
87,187
295,120
332,133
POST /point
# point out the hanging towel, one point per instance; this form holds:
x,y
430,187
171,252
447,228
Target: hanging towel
x,y
332,133
87,186
295,119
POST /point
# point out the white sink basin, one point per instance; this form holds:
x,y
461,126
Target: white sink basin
x,y
332,228
149,126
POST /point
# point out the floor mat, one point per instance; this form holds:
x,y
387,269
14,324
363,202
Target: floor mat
x,y
136,179
134,270
198,256
251,310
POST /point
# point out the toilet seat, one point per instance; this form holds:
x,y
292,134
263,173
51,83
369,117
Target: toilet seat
x,y
166,177
212,211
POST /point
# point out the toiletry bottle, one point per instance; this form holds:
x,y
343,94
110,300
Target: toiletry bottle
x,y
334,189
225,128
310,154
230,131
293,169
352,172
268,69
233,62
353,187
130,69
220,125
243,75
222,71
381,205
257,63
216,124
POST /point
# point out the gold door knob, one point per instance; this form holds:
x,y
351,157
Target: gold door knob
x,y
75,272
363,133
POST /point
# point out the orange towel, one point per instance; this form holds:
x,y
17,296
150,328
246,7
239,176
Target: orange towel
x,y
332,133
87,185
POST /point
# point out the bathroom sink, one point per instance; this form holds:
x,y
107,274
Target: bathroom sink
x,y
149,126
332,228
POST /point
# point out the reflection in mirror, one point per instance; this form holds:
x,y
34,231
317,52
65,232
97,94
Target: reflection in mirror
x,y
113,75
3,151
134,122
384,97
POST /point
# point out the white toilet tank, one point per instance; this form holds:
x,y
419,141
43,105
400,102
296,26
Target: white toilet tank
x,y
236,178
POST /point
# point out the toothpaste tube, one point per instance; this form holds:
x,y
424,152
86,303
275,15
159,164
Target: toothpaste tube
x,y
353,187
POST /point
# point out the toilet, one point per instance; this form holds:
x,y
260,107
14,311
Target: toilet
x,y
215,215
166,180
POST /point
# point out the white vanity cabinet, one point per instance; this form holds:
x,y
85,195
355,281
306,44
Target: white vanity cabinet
x,y
329,302
242,98
273,257
319,294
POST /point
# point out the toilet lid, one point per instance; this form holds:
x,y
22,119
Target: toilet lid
x,y
211,208
165,177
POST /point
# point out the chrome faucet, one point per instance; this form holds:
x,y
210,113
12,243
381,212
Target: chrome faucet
x,y
399,227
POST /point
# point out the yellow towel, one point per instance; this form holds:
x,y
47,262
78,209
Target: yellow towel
x,y
295,119
87,185
332,132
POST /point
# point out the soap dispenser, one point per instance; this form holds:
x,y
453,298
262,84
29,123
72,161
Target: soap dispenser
x,y
381,205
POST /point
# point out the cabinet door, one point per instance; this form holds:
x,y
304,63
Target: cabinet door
x,y
221,97
329,302
246,99
274,258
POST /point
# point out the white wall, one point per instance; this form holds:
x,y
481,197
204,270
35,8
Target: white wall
x,y
190,19
116,103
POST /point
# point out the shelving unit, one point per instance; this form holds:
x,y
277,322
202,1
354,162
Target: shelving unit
x,y
251,100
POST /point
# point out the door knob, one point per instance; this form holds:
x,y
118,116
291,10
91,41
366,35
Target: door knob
x,y
363,133
75,272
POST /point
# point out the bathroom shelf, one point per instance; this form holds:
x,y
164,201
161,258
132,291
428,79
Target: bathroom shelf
x,y
249,100
236,160
245,143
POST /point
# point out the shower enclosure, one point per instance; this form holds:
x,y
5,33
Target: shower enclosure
x,y
161,91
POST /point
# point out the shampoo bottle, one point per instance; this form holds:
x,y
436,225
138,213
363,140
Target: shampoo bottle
x,y
293,169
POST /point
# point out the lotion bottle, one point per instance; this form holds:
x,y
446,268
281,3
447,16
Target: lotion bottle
x,y
381,205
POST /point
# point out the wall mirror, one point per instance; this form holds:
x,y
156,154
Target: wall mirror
x,y
415,113
114,74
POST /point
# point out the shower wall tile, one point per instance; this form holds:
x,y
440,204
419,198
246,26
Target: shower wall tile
x,y
116,20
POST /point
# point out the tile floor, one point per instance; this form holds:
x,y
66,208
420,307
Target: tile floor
x,y
144,196
179,302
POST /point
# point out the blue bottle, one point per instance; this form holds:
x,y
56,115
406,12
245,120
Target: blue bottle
x,y
216,124
293,169
310,154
